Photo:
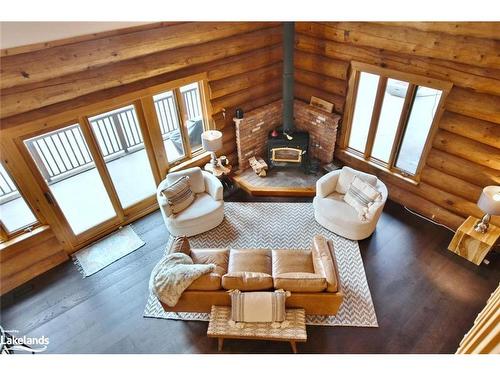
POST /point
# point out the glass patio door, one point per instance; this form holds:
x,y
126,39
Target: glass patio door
x,y
121,143
74,185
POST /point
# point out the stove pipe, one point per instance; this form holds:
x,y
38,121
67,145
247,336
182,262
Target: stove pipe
x,y
288,46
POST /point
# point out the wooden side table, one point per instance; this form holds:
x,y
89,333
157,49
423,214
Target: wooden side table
x,y
219,327
473,245
220,170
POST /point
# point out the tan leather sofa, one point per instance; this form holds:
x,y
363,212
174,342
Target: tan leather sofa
x,y
310,275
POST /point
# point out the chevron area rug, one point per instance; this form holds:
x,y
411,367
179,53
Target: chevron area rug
x,y
285,226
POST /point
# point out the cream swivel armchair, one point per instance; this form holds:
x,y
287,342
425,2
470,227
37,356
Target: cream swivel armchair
x,y
205,213
333,213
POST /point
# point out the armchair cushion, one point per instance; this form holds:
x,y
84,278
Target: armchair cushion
x,y
202,206
347,176
195,175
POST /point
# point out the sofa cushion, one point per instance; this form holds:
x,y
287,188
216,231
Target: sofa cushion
x,y
250,260
211,281
346,177
361,197
219,257
179,195
286,261
324,263
248,269
247,281
195,178
300,282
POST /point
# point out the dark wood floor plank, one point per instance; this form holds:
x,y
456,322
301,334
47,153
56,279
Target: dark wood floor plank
x,y
425,298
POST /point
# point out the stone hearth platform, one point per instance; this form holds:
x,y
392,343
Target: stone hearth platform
x,y
279,182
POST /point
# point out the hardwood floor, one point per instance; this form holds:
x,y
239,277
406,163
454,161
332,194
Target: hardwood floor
x,y
425,297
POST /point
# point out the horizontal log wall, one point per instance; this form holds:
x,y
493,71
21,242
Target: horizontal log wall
x,y
242,62
465,154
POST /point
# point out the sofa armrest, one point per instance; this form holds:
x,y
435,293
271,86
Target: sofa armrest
x,y
213,186
326,184
324,262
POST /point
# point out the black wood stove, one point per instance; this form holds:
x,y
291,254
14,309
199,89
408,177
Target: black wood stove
x,y
288,149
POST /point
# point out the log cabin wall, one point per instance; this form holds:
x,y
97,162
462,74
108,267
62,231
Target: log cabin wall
x,y
242,62
465,153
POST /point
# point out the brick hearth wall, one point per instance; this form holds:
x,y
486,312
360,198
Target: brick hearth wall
x,y
322,128
252,131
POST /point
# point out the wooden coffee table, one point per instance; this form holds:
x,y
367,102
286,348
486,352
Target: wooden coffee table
x,y
219,327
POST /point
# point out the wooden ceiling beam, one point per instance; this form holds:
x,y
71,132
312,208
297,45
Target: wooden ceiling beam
x,y
469,76
67,59
487,30
472,51
29,97
217,69
82,38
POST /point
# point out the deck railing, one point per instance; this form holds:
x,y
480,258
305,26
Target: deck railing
x,y
64,153
192,102
117,132
8,190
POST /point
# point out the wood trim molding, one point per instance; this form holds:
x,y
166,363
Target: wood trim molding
x,y
484,336
403,76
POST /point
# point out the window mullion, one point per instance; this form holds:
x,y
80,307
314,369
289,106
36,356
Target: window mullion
x,y
350,105
183,122
377,108
405,113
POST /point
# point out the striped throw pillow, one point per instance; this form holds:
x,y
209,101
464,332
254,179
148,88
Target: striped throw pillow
x,y
179,194
361,195
258,306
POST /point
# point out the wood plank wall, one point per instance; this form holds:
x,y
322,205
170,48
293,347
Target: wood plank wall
x,y
242,61
466,150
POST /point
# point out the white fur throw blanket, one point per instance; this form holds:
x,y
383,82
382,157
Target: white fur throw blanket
x,y
173,274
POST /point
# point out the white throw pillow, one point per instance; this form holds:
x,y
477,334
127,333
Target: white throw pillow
x,y
258,306
361,196
179,195
346,177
